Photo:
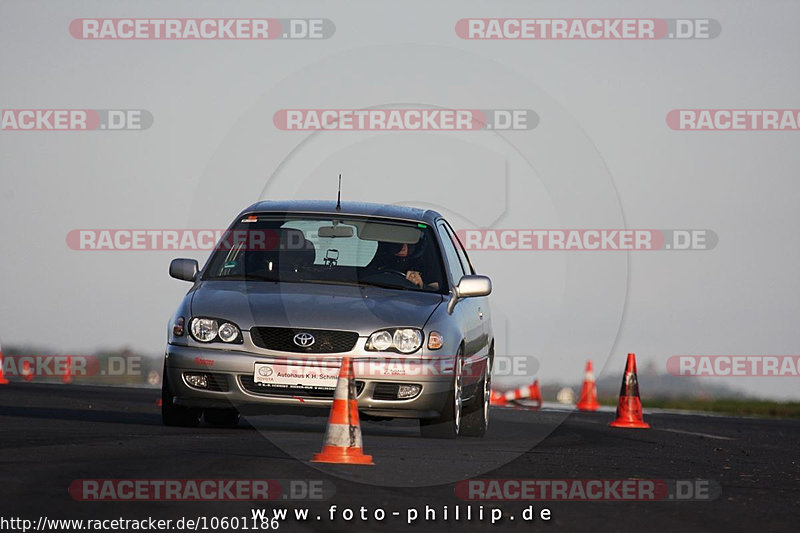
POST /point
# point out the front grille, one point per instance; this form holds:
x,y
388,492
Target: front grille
x,y
385,391
271,390
218,382
325,340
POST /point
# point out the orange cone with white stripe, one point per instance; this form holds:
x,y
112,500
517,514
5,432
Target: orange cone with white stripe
x,y
497,398
27,371
529,392
3,380
342,442
67,377
588,400
536,393
629,409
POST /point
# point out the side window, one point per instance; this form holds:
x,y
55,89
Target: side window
x,y
462,254
450,255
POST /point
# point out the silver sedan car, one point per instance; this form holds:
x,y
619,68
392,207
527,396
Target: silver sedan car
x,y
293,287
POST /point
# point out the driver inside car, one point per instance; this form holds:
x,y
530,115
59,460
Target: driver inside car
x,y
406,259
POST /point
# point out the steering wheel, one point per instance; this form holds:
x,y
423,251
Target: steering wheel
x,y
399,273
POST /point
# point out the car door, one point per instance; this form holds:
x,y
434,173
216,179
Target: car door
x,y
467,311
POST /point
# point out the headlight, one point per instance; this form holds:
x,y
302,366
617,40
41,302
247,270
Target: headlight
x,y
228,332
403,340
212,329
204,329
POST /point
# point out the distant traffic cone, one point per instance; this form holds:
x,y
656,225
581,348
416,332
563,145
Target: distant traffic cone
x,y
67,377
497,398
342,442
27,371
588,400
3,380
529,392
536,393
629,409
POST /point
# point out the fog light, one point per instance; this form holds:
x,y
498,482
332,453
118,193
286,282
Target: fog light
x,y
198,381
408,391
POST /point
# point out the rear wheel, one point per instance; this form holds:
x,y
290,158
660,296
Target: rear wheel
x,y
476,416
221,417
448,424
176,415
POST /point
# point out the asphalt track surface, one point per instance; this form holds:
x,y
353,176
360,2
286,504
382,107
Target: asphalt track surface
x,y
51,435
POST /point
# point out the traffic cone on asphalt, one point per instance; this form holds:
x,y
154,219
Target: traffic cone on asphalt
x,y
536,394
530,392
588,400
497,398
342,442
67,377
27,371
3,380
629,409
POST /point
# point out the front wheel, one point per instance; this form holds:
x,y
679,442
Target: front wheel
x,y
448,424
476,416
175,415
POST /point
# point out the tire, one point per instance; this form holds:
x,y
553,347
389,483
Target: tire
x,y
448,423
476,416
176,415
221,417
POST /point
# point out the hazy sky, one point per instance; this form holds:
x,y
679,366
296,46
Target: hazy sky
x,y
601,156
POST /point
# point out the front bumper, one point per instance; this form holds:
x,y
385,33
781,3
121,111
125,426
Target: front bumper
x,y
233,371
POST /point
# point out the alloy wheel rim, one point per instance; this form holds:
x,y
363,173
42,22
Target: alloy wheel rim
x,y
457,396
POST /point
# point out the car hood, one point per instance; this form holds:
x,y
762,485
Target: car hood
x,y
313,306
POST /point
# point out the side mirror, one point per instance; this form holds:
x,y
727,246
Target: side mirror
x,y
183,269
469,287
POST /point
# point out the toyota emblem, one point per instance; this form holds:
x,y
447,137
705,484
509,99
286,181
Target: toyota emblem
x,y
304,340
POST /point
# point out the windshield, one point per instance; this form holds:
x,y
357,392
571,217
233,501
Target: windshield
x,y
329,249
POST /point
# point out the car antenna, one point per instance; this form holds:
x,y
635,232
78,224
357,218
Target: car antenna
x,y
339,195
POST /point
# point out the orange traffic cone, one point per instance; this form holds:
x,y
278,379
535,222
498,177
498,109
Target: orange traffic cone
x,y
497,398
67,377
529,392
342,442
3,380
536,393
588,401
629,409
27,371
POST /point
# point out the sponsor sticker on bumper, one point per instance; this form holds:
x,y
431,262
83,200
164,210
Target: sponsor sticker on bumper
x,y
308,377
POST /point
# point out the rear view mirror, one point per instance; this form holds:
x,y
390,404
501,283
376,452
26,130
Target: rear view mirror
x,y
335,231
183,269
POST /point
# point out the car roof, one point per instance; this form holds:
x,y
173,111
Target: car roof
x,y
347,208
